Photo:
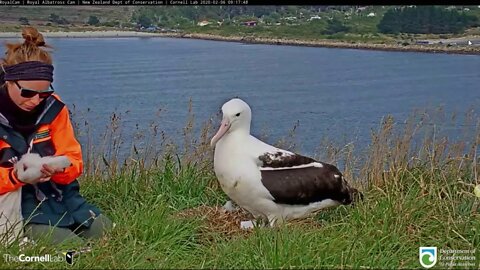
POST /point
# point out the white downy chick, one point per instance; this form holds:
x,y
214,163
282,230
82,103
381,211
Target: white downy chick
x,y
28,168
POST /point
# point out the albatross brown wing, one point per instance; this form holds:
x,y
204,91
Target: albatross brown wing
x,y
296,179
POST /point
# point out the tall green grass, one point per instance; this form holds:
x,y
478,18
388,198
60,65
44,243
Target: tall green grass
x,y
417,193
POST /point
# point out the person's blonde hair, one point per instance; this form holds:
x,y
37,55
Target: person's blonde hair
x,y
29,50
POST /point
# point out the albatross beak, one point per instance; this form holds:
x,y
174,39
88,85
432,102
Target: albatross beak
x,y
224,126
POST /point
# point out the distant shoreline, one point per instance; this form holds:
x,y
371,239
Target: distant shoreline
x,y
85,34
471,50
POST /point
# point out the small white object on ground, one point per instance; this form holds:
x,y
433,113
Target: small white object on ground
x,y
229,207
248,224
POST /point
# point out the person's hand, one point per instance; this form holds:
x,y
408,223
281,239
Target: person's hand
x,y
42,179
31,177
47,172
34,176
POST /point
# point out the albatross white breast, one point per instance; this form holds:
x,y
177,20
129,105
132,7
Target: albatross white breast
x,y
267,181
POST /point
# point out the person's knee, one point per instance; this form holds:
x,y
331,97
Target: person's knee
x,y
104,222
100,225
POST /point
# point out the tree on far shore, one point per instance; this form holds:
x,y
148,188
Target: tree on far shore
x,y
57,19
144,21
93,20
335,26
23,21
425,20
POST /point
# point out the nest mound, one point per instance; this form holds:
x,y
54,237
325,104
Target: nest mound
x,y
216,221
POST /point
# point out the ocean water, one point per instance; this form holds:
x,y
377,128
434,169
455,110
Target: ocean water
x,y
338,94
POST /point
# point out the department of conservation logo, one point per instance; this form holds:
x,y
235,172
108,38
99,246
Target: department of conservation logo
x,y
427,256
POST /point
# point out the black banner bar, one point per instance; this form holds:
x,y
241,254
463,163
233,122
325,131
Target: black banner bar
x,y
202,2
121,2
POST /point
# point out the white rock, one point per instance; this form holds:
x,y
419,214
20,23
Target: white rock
x,y
248,224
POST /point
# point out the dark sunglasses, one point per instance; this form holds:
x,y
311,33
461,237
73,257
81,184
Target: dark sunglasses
x,y
29,93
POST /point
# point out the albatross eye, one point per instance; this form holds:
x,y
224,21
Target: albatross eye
x,y
238,114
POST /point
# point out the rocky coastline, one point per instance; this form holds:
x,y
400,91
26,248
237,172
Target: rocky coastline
x,y
427,48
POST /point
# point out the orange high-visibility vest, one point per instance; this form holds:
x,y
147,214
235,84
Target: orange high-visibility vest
x,y
54,135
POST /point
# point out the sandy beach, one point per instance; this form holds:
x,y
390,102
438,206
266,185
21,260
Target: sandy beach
x,y
431,48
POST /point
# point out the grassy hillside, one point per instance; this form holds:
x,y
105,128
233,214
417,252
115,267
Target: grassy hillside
x,y
164,201
278,22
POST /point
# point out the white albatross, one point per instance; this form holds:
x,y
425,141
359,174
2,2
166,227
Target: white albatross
x,y
269,182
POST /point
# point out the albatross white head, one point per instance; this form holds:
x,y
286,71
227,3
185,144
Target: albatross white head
x,y
237,116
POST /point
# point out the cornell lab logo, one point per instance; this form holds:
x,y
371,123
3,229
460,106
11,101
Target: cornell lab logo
x,y
69,257
427,256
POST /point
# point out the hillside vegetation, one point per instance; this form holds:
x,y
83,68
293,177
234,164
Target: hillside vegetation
x,y
60,17
270,21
